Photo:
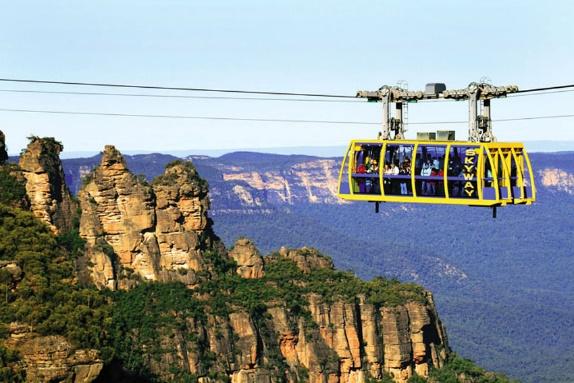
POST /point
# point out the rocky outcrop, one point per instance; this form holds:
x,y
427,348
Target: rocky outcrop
x,y
52,358
307,259
340,341
557,179
11,268
50,199
3,153
311,181
249,261
136,230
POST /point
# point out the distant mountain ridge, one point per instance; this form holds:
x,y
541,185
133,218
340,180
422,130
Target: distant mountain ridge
x,y
242,181
317,151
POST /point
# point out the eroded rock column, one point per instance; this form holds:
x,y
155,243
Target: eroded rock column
x,y
50,199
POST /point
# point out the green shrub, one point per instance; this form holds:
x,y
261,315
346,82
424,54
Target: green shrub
x,y
7,373
456,368
12,189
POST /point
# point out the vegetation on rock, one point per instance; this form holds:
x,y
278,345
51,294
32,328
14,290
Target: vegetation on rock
x,y
47,298
13,190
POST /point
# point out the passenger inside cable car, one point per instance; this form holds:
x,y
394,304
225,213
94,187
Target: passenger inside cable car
x,y
397,176
366,169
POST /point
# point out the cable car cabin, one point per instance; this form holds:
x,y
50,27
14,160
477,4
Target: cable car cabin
x,y
438,172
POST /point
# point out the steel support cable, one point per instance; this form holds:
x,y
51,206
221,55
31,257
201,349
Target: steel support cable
x,y
226,118
155,87
355,101
545,88
539,93
136,86
172,96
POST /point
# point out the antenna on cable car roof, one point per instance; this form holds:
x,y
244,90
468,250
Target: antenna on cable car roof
x,y
479,125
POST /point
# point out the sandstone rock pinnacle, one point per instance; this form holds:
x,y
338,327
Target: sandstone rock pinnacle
x,y
50,199
136,230
249,261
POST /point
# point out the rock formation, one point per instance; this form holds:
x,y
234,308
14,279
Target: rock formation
x,y
259,182
135,230
52,358
341,340
557,179
3,153
161,232
249,261
307,259
50,199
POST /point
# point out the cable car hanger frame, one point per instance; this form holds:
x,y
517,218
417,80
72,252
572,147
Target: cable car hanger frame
x,y
475,172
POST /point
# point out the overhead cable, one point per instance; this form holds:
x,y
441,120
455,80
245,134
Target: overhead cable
x,y
545,88
540,93
226,118
133,86
356,101
276,93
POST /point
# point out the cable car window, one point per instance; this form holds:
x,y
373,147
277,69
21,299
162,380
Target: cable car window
x,y
488,180
344,178
462,171
523,185
366,169
487,174
499,166
528,179
398,169
500,172
429,170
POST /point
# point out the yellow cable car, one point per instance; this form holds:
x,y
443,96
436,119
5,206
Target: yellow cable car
x,y
447,172
438,172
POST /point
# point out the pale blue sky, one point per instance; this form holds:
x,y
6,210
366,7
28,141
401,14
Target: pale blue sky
x,y
300,46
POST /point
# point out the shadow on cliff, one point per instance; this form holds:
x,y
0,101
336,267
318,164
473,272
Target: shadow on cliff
x,y
114,372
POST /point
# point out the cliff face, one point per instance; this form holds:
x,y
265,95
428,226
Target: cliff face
x,y
52,358
136,230
47,192
557,179
327,339
254,181
311,181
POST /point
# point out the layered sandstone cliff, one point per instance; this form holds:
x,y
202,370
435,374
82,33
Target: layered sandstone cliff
x,y
557,179
136,230
339,340
52,358
50,199
258,182
312,181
